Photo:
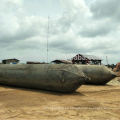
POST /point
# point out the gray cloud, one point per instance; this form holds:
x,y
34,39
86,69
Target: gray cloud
x,y
106,9
82,28
96,30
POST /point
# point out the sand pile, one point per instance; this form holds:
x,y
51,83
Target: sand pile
x,y
115,81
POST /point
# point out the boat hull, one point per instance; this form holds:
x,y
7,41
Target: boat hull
x,y
60,78
97,75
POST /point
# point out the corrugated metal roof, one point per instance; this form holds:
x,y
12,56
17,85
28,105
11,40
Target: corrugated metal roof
x,y
92,57
84,57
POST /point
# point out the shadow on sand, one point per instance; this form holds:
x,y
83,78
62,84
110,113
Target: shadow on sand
x,y
42,91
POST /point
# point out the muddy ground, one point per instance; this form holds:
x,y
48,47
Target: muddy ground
x,y
88,103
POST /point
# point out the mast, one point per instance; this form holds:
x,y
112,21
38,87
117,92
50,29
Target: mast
x,y
107,60
48,39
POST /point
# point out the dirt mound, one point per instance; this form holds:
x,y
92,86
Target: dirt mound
x,y
115,81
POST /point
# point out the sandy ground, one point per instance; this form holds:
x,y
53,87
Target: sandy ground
x,y
88,103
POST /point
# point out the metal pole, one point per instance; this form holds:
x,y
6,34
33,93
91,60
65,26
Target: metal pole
x,y
48,39
107,60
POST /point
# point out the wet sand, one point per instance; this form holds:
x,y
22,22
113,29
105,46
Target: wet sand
x,y
88,103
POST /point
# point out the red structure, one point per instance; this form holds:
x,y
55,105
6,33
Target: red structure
x,y
118,67
86,59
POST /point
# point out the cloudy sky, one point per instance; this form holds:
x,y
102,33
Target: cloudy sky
x,y
75,26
